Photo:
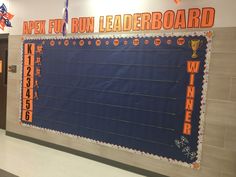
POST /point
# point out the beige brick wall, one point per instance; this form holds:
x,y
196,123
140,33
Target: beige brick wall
x,y
219,146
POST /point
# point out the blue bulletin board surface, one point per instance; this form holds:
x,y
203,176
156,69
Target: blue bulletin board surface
x,y
140,93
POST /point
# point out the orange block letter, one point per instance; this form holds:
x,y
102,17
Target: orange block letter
x,y
193,66
187,129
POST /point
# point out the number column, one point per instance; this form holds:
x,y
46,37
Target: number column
x,y
28,82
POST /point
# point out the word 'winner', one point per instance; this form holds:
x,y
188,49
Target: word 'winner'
x,y
192,69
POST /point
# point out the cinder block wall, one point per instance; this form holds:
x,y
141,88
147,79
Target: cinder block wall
x,y
219,146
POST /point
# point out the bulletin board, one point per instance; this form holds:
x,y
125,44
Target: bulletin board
x,y
140,93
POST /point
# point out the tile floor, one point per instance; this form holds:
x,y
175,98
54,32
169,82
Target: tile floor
x,y
26,159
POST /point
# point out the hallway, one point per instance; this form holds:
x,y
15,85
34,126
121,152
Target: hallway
x,y
26,159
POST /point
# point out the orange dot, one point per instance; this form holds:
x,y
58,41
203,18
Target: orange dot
x,y
157,41
180,41
52,43
125,42
98,42
66,42
81,42
136,42
116,42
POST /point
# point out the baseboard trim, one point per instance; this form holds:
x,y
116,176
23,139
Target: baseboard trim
x,y
113,163
4,173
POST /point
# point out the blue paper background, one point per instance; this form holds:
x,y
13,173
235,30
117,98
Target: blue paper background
x,y
131,96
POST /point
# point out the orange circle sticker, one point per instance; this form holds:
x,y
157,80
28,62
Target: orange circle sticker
x,y
98,42
157,41
66,42
81,42
116,42
180,41
136,42
52,43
